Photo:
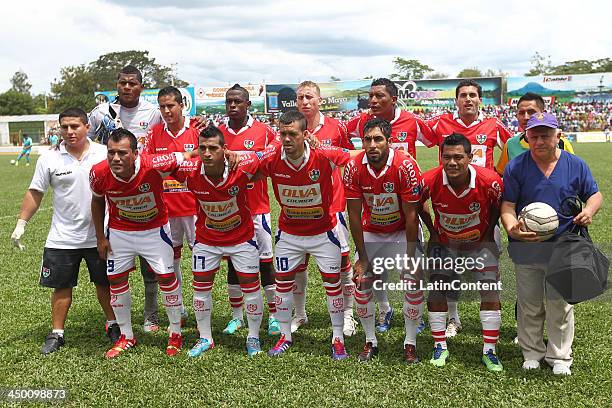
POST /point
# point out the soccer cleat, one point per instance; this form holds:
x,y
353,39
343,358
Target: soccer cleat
x,y
384,321
233,326
410,356
151,324
561,369
16,163
350,326
280,347
422,326
175,342
439,357
492,362
253,346
273,327
368,353
515,341
297,322
120,346
113,332
531,365
452,328
338,350
201,346
52,343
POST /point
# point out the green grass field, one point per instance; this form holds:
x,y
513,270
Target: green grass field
x,y
305,376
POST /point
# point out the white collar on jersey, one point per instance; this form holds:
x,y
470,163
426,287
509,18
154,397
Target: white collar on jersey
x,y
472,184
63,150
382,173
136,170
185,127
479,119
321,123
223,179
284,157
249,124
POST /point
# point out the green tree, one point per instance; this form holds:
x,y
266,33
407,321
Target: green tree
x,y
540,65
74,88
20,82
16,103
334,79
154,75
409,69
437,75
472,72
40,104
583,67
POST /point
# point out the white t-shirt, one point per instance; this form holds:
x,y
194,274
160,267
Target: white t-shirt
x,y
71,225
137,120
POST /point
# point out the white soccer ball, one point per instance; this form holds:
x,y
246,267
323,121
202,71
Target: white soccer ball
x,y
13,161
540,218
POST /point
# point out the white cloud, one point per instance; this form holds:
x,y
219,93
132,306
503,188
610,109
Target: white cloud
x,y
279,41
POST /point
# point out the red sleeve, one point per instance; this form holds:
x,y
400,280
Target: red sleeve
x,y
352,189
426,186
266,156
411,181
335,155
96,180
345,140
352,127
495,188
424,133
503,133
249,165
149,145
271,136
164,163
433,123
186,168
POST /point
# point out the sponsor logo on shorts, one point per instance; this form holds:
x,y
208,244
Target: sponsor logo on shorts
x,y
248,144
338,303
143,188
46,272
314,174
480,138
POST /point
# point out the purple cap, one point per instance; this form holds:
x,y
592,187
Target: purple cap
x,y
542,119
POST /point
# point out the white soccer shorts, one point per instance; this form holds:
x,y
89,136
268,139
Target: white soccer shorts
x,y
154,245
343,233
244,257
263,236
291,251
487,265
183,229
380,246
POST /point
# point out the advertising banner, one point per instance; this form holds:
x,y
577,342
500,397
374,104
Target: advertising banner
x,y
150,95
211,99
563,88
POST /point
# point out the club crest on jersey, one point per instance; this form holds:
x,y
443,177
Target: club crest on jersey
x,y
233,190
401,136
314,174
188,147
474,206
480,138
388,187
249,144
144,187
46,272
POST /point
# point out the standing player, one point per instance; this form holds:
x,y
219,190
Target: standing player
x,y
242,133
406,129
465,201
71,237
224,228
137,116
329,132
175,134
302,182
483,134
137,225
383,188
53,139
25,150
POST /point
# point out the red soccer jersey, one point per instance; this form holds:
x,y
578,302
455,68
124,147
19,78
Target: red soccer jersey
x,y
305,192
383,192
484,134
224,215
136,204
254,137
332,132
462,218
406,129
160,140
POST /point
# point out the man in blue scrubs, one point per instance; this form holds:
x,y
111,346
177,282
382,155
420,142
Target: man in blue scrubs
x,y
546,174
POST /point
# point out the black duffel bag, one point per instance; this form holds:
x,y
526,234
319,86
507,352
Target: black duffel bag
x,y
577,269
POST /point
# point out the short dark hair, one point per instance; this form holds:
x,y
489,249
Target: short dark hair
x,y
131,70
457,139
468,82
171,90
74,113
211,131
237,87
118,135
383,125
387,83
291,116
530,96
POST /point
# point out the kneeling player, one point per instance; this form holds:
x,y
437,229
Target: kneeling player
x,y
224,228
465,201
386,184
138,225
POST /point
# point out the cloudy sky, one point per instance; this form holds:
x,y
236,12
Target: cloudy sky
x,y
218,42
